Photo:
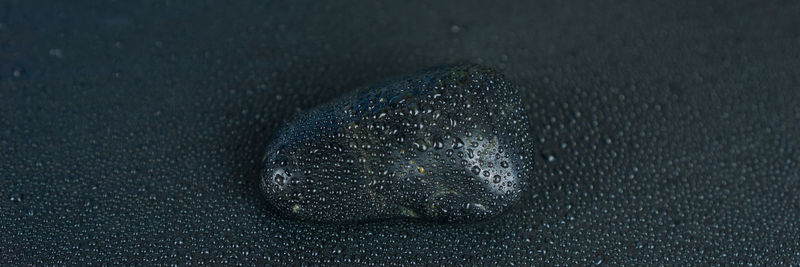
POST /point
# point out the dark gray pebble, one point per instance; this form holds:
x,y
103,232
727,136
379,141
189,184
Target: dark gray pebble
x,y
445,144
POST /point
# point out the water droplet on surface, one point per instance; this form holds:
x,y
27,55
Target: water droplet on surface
x,y
458,143
16,197
548,155
476,170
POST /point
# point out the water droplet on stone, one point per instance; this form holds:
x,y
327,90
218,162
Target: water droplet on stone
x,y
476,170
458,143
438,143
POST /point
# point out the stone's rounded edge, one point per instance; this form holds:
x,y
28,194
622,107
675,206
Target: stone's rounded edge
x,y
500,87
267,183
297,129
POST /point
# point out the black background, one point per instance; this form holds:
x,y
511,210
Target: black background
x,y
131,131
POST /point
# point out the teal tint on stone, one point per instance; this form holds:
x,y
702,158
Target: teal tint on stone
x,y
445,144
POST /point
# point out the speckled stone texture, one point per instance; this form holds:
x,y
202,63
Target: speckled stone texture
x,y
445,144
132,132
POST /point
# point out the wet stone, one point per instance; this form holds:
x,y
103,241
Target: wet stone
x,y
445,144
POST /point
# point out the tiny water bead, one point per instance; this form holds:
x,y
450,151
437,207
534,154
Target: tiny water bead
x,y
444,144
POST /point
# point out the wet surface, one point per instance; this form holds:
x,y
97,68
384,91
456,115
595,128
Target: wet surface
x,y
133,132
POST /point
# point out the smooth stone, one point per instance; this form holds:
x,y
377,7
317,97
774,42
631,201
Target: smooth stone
x,y
444,144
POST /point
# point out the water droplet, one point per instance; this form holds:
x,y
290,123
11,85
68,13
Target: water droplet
x,y
458,143
16,197
438,143
421,145
548,155
476,170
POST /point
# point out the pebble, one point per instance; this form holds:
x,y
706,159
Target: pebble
x,y
445,144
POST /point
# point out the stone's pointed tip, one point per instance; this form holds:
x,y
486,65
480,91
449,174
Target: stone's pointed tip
x,y
445,144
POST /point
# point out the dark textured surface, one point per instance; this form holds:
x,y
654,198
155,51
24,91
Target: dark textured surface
x,y
131,131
